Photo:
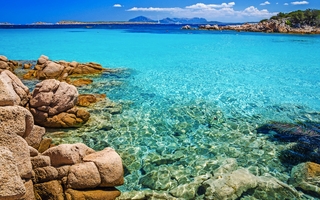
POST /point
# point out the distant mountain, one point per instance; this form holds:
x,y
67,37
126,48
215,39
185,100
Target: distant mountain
x,y
141,19
195,20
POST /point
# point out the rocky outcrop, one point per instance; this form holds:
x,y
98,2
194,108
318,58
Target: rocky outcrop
x,y
6,64
269,26
12,90
61,70
52,105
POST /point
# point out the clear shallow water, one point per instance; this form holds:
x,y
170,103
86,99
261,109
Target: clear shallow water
x,y
192,97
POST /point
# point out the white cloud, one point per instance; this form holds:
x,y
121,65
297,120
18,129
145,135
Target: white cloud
x,y
152,9
277,3
299,2
222,12
286,4
265,3
117,5
211,6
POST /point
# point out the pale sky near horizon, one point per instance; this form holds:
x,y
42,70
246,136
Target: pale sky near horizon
x,y
29,11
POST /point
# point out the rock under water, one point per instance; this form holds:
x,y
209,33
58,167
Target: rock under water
x,y
306,136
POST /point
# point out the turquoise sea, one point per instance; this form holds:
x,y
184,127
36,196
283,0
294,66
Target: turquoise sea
x,y
189,98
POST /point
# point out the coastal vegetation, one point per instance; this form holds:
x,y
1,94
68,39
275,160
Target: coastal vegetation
x,y
298,18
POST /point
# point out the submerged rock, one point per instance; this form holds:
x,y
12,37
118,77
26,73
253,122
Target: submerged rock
x,y
306,176
307,138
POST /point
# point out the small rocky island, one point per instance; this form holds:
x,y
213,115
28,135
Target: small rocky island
x,y
297,22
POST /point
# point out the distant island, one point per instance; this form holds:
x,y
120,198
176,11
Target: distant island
x,y
194,20
299,22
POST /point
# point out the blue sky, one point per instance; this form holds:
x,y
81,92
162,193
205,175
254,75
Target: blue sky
x,y
29,11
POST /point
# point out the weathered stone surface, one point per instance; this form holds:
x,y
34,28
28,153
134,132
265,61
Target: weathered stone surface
x,y
19,147
99,194
45,174
51,70
63,171
45,144
11,185
12,90
16,120
50,190
306,176
67,154
86,99
29,195
83,176
272,188
109,165
35,137
4,65
40,161
53,97
81,82
230,186
88,68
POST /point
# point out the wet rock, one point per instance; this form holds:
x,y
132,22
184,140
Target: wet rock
x,y
49,190
230,186
86,99
88,68
81,82
12,90
109,165
83,176
67,154
45,145
306,176
307,138
11,185
27,65
159,179
97,194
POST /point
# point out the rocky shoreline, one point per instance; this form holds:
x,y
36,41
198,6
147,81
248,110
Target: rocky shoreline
x,y
271,26
32,167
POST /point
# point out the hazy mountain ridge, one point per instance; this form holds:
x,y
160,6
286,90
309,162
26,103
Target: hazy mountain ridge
x,y
194,20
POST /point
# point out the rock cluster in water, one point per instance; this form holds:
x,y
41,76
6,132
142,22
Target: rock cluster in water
x,y
305,135
270,26
31,168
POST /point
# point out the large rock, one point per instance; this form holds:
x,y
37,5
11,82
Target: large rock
x,y
49,190
306,176
230,186
19,147
16,120
88,68
11,185
109,165
67,154
52,105
3,58
12,90
51,70
83,176
53,97
98,194
40,161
